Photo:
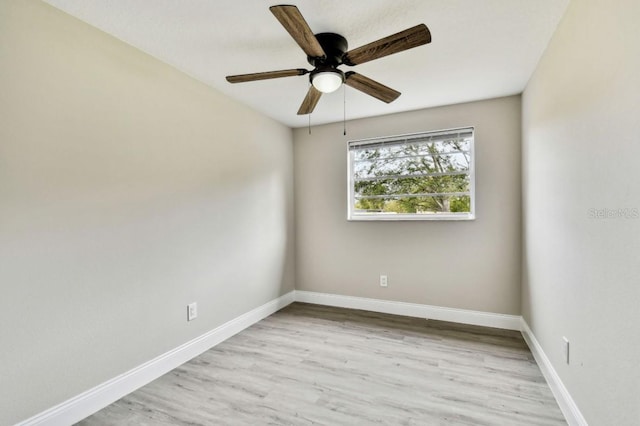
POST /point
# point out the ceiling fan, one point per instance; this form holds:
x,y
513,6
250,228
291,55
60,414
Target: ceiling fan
x,y
327,51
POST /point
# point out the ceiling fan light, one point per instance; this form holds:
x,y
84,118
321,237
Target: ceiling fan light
x,y
327,81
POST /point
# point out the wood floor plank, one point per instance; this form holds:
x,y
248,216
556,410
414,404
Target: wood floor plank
x,y
316,365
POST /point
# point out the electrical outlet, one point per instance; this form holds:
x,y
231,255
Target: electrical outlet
x,y
192,311
383,281
565,349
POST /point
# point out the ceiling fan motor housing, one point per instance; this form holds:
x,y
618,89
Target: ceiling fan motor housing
x,y
334,46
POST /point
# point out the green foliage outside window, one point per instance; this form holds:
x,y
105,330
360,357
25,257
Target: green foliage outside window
x,y
421,177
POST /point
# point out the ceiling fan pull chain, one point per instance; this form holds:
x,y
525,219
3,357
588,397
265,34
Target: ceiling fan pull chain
x,y
344,110
309,112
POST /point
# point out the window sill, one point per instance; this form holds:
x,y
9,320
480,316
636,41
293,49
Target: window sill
x,y
409,217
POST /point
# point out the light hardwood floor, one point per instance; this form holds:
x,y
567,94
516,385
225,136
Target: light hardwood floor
x,y
316,365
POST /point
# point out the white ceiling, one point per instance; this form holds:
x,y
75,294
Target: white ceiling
x,y
481,48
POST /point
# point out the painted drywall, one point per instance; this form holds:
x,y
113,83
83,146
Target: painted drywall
x,y
582,207
127,191
460,264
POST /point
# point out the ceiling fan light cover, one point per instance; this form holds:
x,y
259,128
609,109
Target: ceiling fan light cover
x,y
327,81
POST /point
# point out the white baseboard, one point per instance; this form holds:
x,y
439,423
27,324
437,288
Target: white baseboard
x,y
487,319
87,403
569,408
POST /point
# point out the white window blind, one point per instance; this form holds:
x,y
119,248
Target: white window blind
x,y
426,175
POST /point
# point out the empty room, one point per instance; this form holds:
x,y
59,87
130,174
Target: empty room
x,y
410,212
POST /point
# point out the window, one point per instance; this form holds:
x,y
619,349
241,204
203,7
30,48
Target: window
x,y
422,176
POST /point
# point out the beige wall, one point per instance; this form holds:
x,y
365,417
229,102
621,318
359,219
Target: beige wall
x,y
471,265
581,149
127,190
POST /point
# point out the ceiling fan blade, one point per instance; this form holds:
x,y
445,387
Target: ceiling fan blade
x,y
265,75
310,101
371,87
407,39
293,21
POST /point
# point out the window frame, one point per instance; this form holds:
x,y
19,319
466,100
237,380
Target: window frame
x,y
352,216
